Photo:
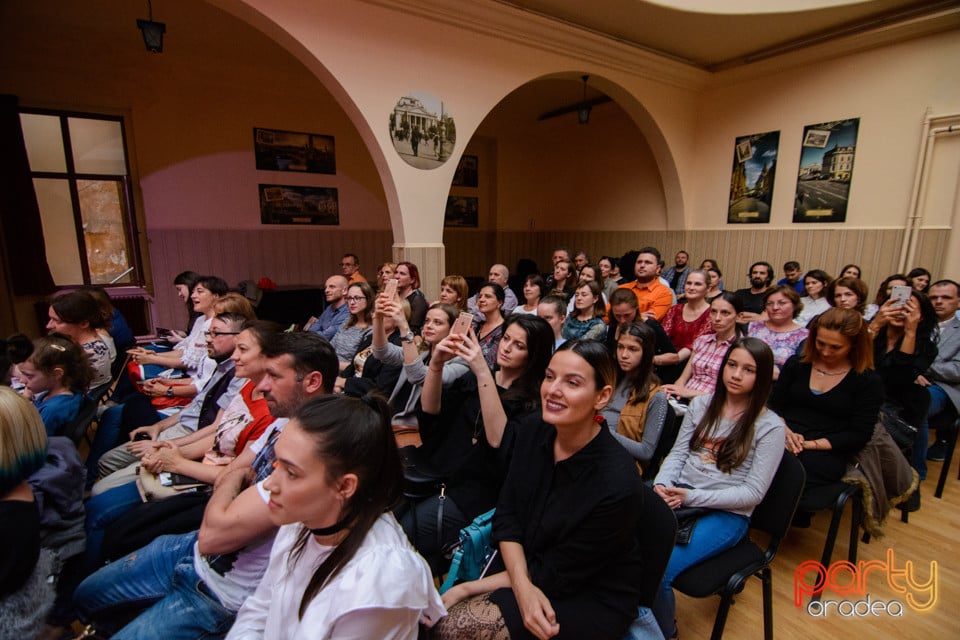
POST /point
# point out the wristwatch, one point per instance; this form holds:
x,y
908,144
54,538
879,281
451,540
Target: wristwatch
x,y
407,337
169,392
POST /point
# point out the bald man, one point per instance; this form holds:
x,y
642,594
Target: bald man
x,y
336,311
499,274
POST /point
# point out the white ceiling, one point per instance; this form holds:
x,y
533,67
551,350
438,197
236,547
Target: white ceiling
x,y
715,34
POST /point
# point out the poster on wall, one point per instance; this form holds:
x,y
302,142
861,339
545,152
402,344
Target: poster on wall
x,y
466,173
751,181
422,130
294,151
461,212
826,167
285,204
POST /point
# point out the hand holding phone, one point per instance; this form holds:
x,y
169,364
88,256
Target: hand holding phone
x,y
899,294
462,324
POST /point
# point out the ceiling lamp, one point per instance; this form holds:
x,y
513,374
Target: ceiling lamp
x,y
583,111
152,31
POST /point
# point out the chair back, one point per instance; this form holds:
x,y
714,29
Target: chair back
x,y
668,436
77,428
656,535
775,512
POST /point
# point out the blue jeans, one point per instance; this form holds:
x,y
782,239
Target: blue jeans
x,y
645,627
713,533
159,576
102,511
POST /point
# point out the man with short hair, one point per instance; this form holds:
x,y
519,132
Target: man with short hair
x,y
761,277
793,276
654,299
499,274
581,259
199,580
560,253
942,379
336,311
676,276
350,267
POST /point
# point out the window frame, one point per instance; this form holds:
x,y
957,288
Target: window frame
x,y
72,176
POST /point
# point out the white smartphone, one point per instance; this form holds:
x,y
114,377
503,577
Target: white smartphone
x,y
463,323
900,294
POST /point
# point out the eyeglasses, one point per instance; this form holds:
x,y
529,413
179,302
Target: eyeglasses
x,y
215,334
354,298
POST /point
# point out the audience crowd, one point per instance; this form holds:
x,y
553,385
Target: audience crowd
x,y
243,481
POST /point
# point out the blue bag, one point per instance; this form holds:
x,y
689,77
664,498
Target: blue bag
x,y
473,554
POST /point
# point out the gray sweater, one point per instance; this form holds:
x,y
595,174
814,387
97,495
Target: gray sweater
x,y
742,489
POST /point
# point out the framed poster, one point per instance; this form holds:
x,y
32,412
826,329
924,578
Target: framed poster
x,y
285,204
752,178
466,173
294,151
461,212
826,168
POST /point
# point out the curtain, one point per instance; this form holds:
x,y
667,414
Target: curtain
x,y
21,231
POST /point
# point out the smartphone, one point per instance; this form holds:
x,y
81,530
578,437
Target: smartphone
x,y
390,288
163,331
900,294
463,323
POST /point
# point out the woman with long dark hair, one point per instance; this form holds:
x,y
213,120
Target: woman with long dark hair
x,y
462,427
883,293
724,459
183,283
566,519
340,565
490,299
77,316
919,279
636,411
815,284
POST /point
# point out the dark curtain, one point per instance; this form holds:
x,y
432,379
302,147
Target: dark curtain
x,y
20,228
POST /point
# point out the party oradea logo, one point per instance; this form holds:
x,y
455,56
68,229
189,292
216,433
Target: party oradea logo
x,y
851,584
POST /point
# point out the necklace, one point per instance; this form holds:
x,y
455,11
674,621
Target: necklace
x,y
824,372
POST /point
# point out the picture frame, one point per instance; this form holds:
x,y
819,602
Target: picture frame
x,y
826,170
752,178
462,211
289,204
278,150
466,174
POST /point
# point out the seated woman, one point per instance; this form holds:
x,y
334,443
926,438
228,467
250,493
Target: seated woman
x,y
848,293
25,593
77,316
699,377
883,293
55,375
624,310
585,322
636,411
534,289
183,283
454,291
565,520
340,566
365,373
564,277
408,286
780,330
553,310
462,429
201,455
851,270
815,283
919,279
490,330
716,285
190,354
687,321
610,284
413,357
386,271
829,396
903,348
725,457
114,325
346,342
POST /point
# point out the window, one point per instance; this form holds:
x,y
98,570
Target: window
x,y
79,167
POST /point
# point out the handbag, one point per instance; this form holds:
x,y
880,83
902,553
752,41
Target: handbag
x,y
473,553
687,518
902,432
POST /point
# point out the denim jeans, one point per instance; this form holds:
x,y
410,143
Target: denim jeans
x,y
161,578
713,533
102,511
645,627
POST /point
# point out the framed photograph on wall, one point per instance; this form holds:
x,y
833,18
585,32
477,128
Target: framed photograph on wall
x,y
826,168
752,178
466,173
462,211
285,204
294,151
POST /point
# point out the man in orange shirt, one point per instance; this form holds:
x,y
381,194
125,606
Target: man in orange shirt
x,y
653,297
350,267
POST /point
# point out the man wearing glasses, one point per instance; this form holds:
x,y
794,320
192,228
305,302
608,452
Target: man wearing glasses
x,y
350,267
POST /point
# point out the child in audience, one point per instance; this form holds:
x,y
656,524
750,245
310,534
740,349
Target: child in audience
x,y
340,566
724,459
55,375
636,411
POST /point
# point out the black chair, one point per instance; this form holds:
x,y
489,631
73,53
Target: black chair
x,y
835,497
77,428
952,432
656,534
726,574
